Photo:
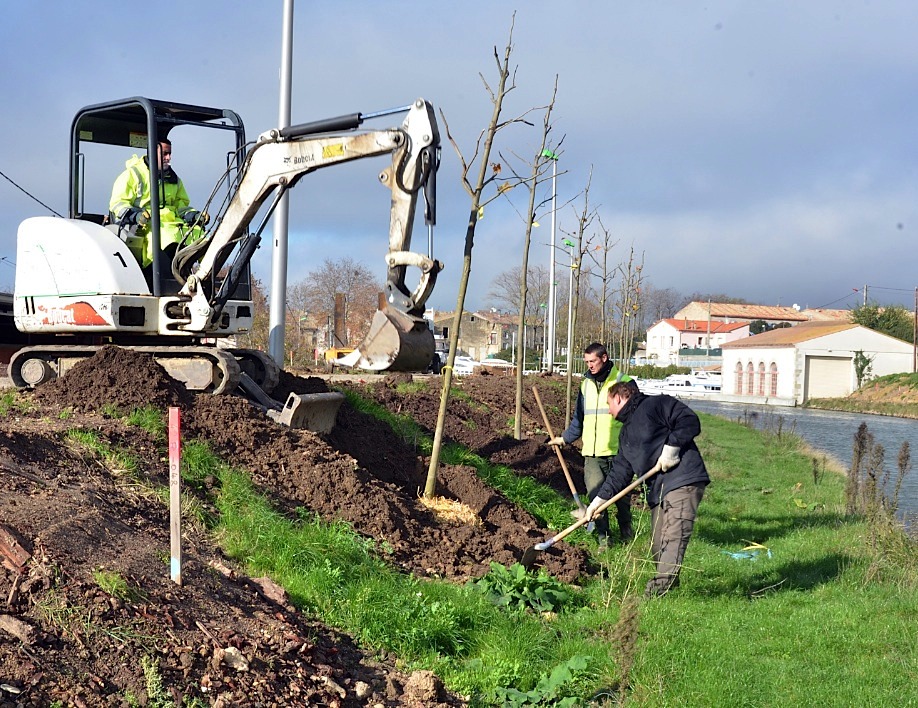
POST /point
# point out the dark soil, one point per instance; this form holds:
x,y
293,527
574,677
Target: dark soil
x,y
64,639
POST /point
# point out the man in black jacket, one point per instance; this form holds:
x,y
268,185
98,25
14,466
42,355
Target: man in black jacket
x,y
598,431
658,430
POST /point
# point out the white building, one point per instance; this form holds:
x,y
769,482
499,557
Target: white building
x,y
668,337
810,360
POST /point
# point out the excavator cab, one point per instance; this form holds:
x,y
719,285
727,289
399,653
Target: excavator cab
x,y
103,137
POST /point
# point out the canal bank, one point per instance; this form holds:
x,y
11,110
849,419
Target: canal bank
x,y
831,432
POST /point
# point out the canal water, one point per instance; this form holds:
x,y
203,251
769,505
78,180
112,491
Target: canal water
x,y
833,432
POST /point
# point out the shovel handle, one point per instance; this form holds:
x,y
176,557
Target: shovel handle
x,y
567,474
602,507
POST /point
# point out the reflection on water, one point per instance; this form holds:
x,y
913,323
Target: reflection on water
x,y
833,433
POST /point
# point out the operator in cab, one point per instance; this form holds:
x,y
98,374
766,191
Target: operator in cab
x,y
129,206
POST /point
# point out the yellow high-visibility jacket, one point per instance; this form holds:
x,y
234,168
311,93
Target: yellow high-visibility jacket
x,y
132,190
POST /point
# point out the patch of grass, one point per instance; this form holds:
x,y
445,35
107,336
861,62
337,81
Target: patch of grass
x,y
11,402
119,462
125,466
115,585
110,410
411,387
77,621
150,419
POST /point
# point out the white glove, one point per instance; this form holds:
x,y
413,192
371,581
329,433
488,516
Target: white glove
x,y
559,441
669,458
594,505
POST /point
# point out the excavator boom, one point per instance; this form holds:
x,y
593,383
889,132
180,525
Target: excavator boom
x,y
399,337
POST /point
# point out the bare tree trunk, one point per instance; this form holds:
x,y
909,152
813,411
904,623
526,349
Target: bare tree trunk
x,y
584,219
538,168
497,99
629,307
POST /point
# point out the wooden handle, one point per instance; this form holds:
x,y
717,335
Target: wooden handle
x,y
602,507
567,474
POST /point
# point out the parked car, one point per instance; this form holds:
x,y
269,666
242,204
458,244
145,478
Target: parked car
x,y
464,365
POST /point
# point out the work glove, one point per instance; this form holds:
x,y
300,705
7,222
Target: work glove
x,y
669,458
200,217
594,505
136,216
556,441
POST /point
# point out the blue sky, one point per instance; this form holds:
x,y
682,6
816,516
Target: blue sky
x,y
766,150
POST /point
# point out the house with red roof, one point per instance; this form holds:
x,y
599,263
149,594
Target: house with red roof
x,y
667,338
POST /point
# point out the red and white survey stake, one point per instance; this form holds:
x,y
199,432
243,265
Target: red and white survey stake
x,y
175,494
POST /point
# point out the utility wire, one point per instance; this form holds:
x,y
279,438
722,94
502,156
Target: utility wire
x,y
843,297
31,196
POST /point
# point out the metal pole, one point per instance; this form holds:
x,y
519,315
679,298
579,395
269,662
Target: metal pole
x,y
279,255
570,312
551,269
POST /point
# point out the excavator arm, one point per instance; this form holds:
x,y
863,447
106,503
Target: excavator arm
x,y
399,336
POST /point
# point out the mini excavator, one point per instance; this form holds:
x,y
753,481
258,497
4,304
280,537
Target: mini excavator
x,y
80,286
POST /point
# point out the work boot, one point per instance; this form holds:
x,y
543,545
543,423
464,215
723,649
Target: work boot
x,y
627,534
602,539
658,587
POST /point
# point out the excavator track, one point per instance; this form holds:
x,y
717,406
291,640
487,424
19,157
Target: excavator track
x,y
259,366
205,369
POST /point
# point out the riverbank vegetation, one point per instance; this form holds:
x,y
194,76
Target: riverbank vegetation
x,y
791,595
893,395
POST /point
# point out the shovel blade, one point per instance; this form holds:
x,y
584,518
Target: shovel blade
x,y
395,342
310,411
529,557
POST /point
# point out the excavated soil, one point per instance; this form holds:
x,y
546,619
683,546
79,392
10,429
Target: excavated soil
x,y
231,639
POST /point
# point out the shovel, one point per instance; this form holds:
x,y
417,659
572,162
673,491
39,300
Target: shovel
x,y
567,474
531,553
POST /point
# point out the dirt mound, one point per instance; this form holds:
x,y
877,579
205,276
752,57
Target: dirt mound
x,y
230,640
82,646
363,474
114,377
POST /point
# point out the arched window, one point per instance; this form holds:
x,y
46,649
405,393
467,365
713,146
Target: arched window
x,y
750,379
773,380
738,388
761,379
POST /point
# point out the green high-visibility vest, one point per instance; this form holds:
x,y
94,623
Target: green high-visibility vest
x,y
600,430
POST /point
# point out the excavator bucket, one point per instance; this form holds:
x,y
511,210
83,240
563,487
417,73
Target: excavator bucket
x,y
312,411
395,342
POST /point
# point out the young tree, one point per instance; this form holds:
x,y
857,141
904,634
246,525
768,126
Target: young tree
x,y
476,191
628,307
863,366
538,172
578,245
599,256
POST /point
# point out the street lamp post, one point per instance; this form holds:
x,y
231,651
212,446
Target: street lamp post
x,y
570,303
551,268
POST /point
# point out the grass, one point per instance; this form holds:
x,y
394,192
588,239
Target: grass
x,y
12,402
823,614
